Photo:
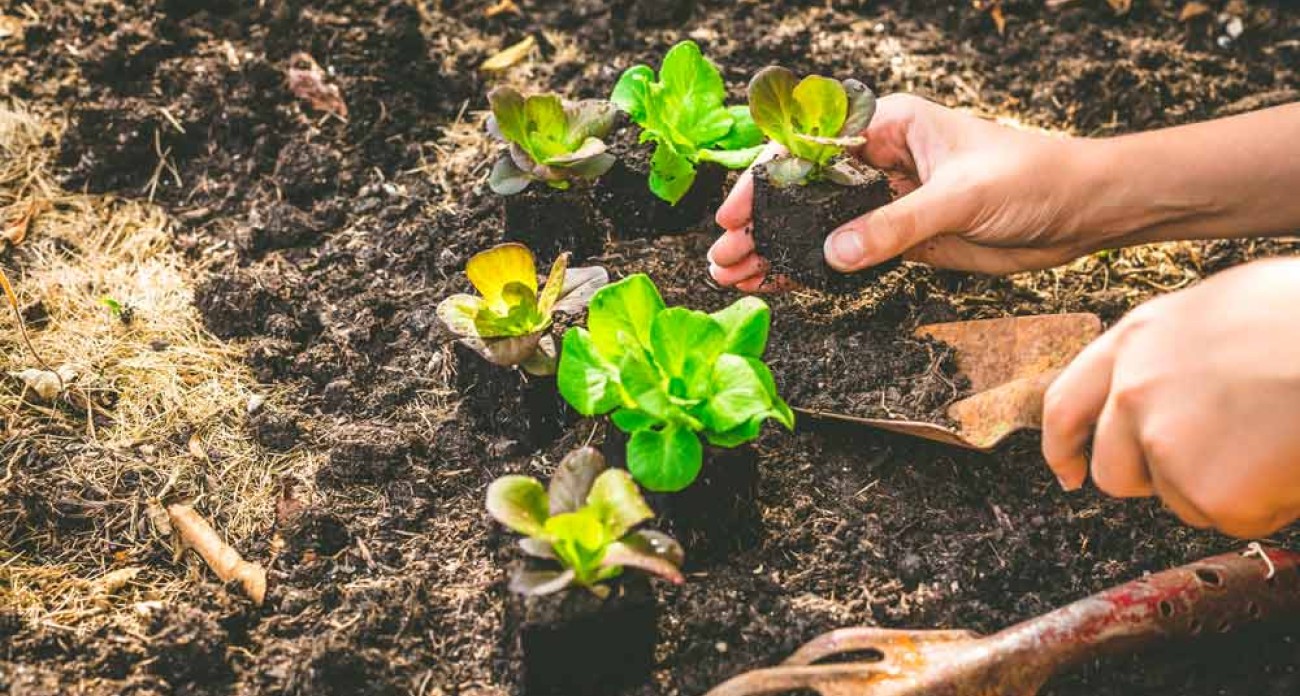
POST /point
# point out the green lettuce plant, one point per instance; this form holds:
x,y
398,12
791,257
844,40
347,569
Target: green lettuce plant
x,y
668,376
507,322
550,140
815,119
584,521
682,111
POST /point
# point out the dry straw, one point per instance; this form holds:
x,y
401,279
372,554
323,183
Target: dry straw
x,y
156,410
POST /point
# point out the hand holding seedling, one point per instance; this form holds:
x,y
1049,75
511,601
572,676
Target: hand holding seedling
x,y
979,196
1193,397
973,197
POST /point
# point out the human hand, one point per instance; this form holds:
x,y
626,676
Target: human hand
x,y
1194,397
975,195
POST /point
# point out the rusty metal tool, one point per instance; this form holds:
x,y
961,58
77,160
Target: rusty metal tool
x,y
1214,595
1010,362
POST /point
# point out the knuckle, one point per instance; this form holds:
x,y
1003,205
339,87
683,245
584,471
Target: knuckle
x,y
904,100
1139,320
1129,395
1162,445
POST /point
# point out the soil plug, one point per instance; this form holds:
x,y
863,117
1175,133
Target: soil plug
x,y
506,339
584,628
560,144
222,558
811,189
696,139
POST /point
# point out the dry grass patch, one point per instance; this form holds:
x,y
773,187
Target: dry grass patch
x,y
153,408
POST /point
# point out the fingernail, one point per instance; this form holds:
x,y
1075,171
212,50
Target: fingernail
x,y
1080,464
844,249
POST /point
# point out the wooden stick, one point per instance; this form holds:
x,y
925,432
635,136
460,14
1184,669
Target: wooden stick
x,y
221,557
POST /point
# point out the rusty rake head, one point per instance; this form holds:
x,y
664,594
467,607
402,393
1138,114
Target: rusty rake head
x,y
1211,596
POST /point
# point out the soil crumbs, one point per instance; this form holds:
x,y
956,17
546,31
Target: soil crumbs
x,y
330,242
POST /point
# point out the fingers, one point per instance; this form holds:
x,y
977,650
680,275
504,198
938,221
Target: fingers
x,y
754,284
732,247
736,211
1072,406
954,253
887,137
1177,502
748,268
890,230
1119,466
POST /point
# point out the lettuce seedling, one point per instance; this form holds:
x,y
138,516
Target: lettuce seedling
x,y
583,520
814,119
667,376
507,324
550,140
682,111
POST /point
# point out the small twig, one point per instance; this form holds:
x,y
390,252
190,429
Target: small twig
x,y
222,558
12,297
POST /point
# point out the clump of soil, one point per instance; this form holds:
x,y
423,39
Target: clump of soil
x,y
791,224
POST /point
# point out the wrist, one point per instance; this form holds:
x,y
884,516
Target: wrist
x,y
1132,192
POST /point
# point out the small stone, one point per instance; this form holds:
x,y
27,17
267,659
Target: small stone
x,y
721,647
336,393
1234,27
911,567
879,28
255,403
1224,41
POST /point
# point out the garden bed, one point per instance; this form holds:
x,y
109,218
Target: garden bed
x,y
319,249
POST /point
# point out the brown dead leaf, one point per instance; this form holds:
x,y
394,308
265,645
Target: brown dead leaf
x,y
307,82
994,10
502,7
1120,7
999,19
10,26
17,230
196,448
288,506
510,56
1192,10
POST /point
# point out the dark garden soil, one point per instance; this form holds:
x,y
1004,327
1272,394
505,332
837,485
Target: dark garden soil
x,y
329,244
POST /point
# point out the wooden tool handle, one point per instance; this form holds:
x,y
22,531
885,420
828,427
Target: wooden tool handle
x,y
1214,595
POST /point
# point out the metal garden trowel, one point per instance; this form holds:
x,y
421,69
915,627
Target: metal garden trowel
x,y
1213,596
1010,362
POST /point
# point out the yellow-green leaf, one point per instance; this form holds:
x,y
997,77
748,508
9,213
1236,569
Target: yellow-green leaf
x,y
491,271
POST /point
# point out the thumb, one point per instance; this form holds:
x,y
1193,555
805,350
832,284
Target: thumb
x,y
890,230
